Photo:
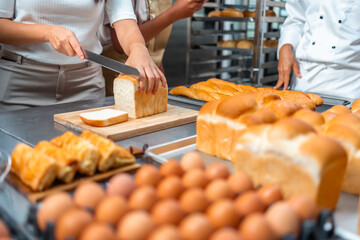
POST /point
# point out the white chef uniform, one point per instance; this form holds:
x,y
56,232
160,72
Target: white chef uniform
x,y
325,35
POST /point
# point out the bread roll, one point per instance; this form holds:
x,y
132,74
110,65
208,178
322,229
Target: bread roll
x,y
229,44
214,14
351,120
34,168
315,98
129,99
263,98
313,118
270,43
298,97
248,13
247,88
270,13
328,115
224,87
339,109
183,91
67,164
246,44
355,106
283,108
231,12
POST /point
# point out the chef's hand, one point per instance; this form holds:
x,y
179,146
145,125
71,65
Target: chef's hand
x,y
287,62
140,59
64,41
186,8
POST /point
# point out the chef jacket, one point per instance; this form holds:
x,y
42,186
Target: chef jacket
x,y
325,35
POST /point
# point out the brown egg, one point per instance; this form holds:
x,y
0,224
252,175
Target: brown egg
x,y
222,213
88,194
71,223
249,202
226,233
143,198
166,232
255,227
193,200
169,187
135,225
98,231
270,194
4,230
121,184
194,178
171,167
192,160
52,207
196,226
217,170
283,219
147,175
303,206
111,209
217,189
167,211
240,182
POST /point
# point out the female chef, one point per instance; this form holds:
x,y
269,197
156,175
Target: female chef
x,y
324,37
42,38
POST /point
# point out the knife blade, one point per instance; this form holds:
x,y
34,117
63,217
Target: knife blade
x,y
111,64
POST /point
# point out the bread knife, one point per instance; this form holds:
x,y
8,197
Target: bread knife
x,y
111,64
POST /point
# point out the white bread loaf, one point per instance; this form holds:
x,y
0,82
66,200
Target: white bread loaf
x,y
104,117
291,155
129,99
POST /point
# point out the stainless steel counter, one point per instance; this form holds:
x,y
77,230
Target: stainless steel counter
x,y
36,124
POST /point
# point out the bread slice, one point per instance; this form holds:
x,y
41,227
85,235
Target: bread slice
x,y
104,117
128,98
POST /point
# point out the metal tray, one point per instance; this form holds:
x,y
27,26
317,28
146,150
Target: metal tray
x,y
345,215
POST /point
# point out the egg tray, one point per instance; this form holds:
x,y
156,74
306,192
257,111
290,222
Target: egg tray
x,y
321,229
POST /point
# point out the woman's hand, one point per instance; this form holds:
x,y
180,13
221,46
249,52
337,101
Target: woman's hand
x,y
64,41
287,62
139,58
186,8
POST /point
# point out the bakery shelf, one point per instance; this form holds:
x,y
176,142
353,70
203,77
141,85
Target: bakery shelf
x,y
275,4
219,32
243,51
272,64
232,69
223,19
272,35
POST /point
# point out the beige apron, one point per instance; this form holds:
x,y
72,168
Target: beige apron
x,y
156,45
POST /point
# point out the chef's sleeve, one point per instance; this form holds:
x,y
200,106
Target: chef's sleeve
x,y
293,28
7,8
119,10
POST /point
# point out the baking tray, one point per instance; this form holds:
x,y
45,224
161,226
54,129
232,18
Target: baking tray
x,y
346,213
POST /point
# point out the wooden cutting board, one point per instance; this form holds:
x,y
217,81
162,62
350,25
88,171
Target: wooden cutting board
x,y
174,116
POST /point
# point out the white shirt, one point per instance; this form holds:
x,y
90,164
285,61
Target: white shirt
x,y
83,17
324,34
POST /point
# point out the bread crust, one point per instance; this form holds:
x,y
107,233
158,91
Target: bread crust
x,y
214,14
231,12
313,118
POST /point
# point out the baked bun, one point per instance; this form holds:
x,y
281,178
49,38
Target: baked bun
x,y
355,106
313,118
270,43
248,13
263,98
328,115
231,12
270,13
214,14
247,88
246,44
283,108
339,109
351,120
315,98
229,43
298,97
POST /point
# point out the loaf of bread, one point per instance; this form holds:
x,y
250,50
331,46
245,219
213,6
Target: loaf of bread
x,y
290,154
270,13
129,99
248,13
81,149
245,44
315,119
34,168
67,164
231,12
229,43
214,14
270,43
104,117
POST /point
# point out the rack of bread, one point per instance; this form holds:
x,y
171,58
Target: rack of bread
x,y
215,88
232,12
286,143
64,156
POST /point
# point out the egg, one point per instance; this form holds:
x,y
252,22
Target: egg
x,y
166,232
193,200
71,223
167,211
147,175
240,182
222,213
249,202
121,184
169,187
196,226
135,225
98,231
194,178
143,198
4,230
270,194
111,209
303,206
52,207
217,189
283,219
226,233
171,167
88,194
192,160
217,170
255,227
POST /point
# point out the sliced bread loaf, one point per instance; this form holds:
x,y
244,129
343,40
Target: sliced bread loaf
x,y
104,117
